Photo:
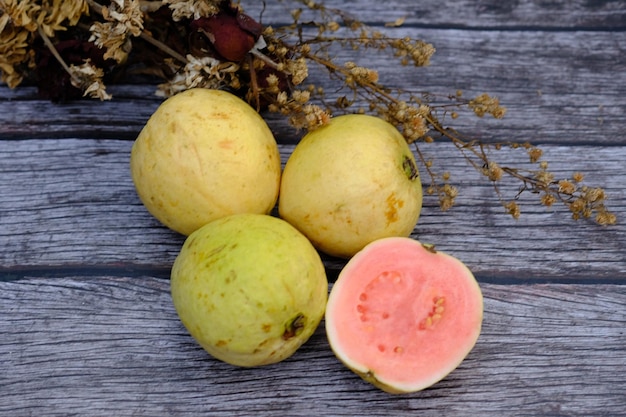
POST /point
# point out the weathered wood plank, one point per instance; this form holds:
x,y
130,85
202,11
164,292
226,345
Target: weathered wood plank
x,y
114,346
563,87
71,202
524,14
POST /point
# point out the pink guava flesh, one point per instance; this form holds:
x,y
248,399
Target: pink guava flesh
x,y
402,315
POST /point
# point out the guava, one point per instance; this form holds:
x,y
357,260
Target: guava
x,y
349,183
403,315
249,288
202,155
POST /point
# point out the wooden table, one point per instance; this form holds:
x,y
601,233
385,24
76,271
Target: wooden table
x,y
87,325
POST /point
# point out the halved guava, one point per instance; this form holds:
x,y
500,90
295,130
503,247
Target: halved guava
x,y
402,315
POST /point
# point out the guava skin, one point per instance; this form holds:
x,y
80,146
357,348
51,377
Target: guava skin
x,y
249,288
351,182
202,155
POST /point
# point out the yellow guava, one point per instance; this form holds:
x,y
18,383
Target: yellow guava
x,y
249,288
349,183
202,155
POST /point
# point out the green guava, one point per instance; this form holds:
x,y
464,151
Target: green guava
x,y
202,155
403,315
349,183
249,288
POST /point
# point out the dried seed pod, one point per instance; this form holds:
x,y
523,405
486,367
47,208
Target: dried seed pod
x,y
231,33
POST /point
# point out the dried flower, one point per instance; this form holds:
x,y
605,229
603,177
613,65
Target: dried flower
x,y
20,14
213,44
566,187
578,176
88,78
485,104
206,72
535,154
123,19
192,9
15,52
513,209
55,15
548,199
493,171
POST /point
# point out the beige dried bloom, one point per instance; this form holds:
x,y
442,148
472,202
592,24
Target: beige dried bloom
x,y
578,176
534,154
298,69
578,207
446,203
360,75
447,197
450,190
548,199
410,119
301,96
20,20
308,117
333,26
20,14
88,78
588,201
544,177
15,52
606,218
123,19
416,51
192,9
513,209
485,104
315,116
55,15
272,83
205,72
47,15
421,52
493,171
593,195
566,187
282,98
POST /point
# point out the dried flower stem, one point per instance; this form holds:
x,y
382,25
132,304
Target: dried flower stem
x,y
97,7
46,40
163,47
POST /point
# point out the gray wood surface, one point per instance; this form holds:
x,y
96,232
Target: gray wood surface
x,y
86,322
114,346
69,203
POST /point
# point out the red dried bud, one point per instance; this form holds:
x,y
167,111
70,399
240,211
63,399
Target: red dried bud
x,y
250,25
232,34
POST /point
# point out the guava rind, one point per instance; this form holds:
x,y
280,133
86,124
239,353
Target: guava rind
x,y
249,288
349,183
385,297
202,155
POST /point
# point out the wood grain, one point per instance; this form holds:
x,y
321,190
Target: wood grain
x,y
565,87
468,14
114,346
71,203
